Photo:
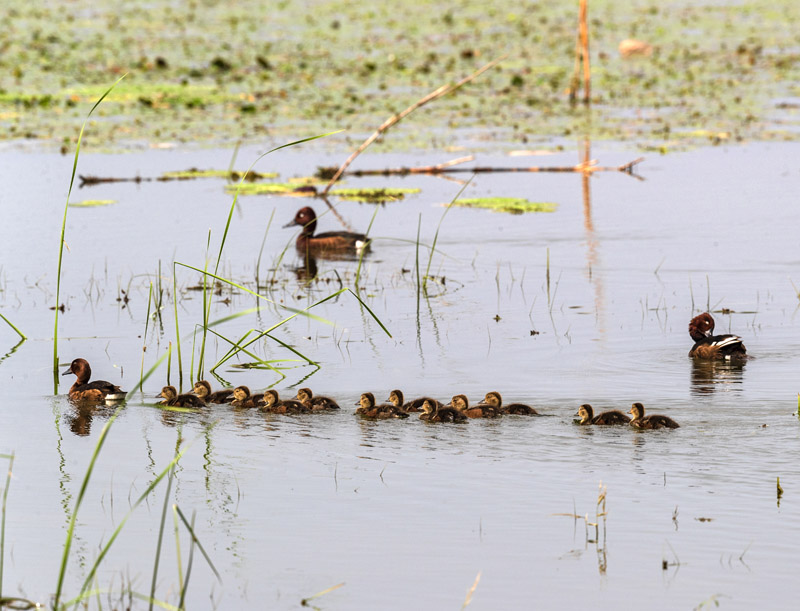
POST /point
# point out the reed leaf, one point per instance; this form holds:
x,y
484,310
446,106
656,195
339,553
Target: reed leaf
x,y
17,331
64,228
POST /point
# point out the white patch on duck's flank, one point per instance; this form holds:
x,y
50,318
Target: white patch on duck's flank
x,y
727,341
360,244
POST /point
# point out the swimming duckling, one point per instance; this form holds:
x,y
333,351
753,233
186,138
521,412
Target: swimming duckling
x,y
481,410
517,409
640,421
368,409
304,395
710,346
440,413
586,414
83,389
396,399
173,399
243,398
273,404
203,390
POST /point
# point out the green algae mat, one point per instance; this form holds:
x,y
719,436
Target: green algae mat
x,y
215,74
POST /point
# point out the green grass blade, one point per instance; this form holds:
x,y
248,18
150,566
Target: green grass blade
x,y
146,325
304,311
197,542
93,571
436,235
64,228
82,492
3,517
10,324
177,329
188,563
364,248
160,537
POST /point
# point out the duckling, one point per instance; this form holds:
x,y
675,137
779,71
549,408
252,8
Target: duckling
x,y
516,409
304,395
173,399
203,390
586,414
243,398
273,404
368,409
396,399
640,421
440,413
481,410
83,389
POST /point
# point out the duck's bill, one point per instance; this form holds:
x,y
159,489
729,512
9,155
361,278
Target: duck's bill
x,y
289,224
67,372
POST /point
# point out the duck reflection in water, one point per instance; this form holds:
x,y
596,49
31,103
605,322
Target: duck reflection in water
x,y
80,417
708,377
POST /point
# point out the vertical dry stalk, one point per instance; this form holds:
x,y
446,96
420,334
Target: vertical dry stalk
x,y
583,28
581,57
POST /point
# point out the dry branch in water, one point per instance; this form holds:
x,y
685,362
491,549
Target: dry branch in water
x,y
587,167
394,119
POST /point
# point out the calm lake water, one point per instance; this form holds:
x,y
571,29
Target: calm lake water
x,y
406,514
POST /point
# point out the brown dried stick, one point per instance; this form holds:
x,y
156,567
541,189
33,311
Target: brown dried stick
x,y
586,167
443,90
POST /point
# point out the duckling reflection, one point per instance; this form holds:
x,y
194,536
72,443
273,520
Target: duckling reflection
x,y
709,376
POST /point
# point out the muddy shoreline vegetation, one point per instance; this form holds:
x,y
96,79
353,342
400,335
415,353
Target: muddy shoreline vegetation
x,y
706,75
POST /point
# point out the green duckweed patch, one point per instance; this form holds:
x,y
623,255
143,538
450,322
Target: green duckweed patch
x,y
272,188
373,196
514,205
92,203
722,68
194,173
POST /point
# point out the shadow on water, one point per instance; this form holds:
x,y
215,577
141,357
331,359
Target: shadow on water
x,y
708,377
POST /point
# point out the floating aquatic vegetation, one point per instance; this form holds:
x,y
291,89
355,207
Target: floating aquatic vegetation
x,y
193,173
272,188
92,203
374,195
514,205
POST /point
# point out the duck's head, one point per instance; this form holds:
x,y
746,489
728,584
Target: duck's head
x,y
306,218
367,400
493,398
585,413
396,398
304,395
460,402
701,326
271,397
202,388
168,392
427,408
80,367
637,409
240,393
